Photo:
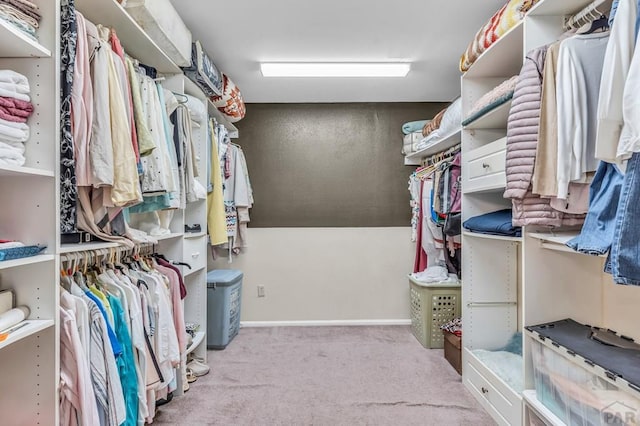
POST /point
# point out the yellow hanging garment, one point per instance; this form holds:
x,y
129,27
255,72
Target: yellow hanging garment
x,y
216,219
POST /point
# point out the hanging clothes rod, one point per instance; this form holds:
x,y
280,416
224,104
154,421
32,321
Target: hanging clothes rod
x,y
436,158
142,248
589,14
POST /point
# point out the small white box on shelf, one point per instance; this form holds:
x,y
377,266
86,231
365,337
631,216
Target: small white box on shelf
x,y
161,22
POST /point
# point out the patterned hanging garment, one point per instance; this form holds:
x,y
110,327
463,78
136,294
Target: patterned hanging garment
x,y
68,188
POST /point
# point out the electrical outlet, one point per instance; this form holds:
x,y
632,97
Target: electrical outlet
x,y
260,291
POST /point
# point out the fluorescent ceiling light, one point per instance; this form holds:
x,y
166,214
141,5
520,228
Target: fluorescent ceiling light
x,y
326,69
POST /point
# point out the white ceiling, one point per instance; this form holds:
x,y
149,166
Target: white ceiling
x,y
432,34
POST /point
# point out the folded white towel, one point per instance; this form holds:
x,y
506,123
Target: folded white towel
x,y
13,77
15,146
9,91
13,132
10,156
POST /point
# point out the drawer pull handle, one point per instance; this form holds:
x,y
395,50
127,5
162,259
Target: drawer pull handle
x,y
485,165
195,255
485,390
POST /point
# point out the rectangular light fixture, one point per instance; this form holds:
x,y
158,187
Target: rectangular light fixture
x,y
334,69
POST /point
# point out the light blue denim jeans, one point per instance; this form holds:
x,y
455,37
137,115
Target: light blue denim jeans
x,y
598,230
624,261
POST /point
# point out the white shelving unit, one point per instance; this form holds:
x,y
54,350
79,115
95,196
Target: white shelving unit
x,y
189,248
215,113
29,356
510,283
8,264
196,244
491,237
29,328
494,119
197,341
135,40
443,144
16,44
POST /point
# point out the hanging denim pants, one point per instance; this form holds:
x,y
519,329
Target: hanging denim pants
x,y
624,263
598,230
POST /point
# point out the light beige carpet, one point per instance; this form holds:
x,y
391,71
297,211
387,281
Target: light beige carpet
x,y
326,376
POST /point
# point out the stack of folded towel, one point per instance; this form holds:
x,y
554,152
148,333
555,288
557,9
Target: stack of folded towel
x,y
15,109
22,14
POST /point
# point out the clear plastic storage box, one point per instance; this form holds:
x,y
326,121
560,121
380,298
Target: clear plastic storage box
x,y
579,392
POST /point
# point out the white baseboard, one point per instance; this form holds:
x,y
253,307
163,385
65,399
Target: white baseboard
x,y
324,323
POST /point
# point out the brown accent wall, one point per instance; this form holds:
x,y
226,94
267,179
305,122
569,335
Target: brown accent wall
x,y
329,165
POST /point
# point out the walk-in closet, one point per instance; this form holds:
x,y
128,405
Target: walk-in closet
x,y
319,213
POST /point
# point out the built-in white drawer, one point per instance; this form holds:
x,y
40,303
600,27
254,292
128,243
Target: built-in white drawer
x,y
195,253
485,169
501,402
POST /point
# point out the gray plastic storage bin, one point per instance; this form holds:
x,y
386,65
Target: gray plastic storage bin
x,y
224,296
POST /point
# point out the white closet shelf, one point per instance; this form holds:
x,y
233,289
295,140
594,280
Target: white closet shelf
x,y
194,235
498,187
186,272
10,171
442,144
32,327
135,40
540,409
556,241
197,341
73,248
192,89
558,8
220,117
492,237
16,44
503,58
495,119
6,264
169,236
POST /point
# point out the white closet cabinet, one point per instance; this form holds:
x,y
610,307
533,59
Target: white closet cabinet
x,y
30,357
510,283
29,213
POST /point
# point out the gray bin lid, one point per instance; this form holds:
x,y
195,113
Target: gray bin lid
x,y
223,276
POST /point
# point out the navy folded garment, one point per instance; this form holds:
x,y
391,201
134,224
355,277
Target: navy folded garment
x,y
495,223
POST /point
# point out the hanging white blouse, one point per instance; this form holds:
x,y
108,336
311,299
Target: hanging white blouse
x,y
630,135
617,63
580,64
157,166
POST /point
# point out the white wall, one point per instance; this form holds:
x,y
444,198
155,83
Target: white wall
x,y
325,274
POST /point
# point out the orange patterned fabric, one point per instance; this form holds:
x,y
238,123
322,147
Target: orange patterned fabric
x,y
433,124
230,103
504,19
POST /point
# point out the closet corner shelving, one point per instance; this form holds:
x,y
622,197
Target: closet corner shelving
x,y
190,248
135,40
510,283
494,119
215,113
29,357
15,44
440,145
499,58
